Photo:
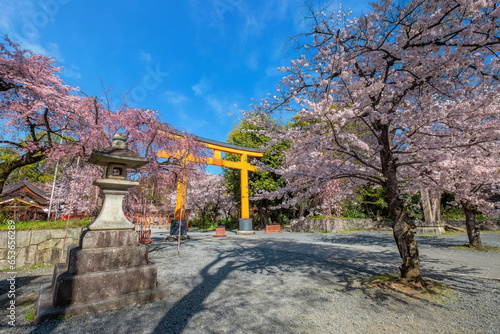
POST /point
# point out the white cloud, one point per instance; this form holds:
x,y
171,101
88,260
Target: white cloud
x,y
72,71
23,21
174,98
10,9
202,87
177,100
223,107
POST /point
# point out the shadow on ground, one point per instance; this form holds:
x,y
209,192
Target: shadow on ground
x,y
236,264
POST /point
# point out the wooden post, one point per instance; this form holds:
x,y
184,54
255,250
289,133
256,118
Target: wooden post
x,y
159,220
70,209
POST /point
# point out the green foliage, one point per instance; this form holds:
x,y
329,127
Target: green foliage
x,y
205,222
373,201
244,135
202,222
230,223
452,213
352,209
414,207
36,172
281,218
4,218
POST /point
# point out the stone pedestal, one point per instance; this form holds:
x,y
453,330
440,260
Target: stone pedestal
x,y
429,228
174,227
174,230
109,269
245,227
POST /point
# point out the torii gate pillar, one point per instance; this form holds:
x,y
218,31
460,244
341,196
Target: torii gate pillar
x,y
245,223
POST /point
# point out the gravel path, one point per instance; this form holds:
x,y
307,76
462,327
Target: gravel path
x,y
293,283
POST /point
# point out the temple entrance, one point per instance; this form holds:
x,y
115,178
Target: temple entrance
x,y
245,223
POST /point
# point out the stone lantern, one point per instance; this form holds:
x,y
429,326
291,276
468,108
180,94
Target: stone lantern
x,y
117,159
109,269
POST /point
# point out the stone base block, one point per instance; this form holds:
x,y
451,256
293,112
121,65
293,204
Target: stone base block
x,y
429,228
245,224
45,311
90,287
433,230
113,238
245,232
81,261
175,238
174,227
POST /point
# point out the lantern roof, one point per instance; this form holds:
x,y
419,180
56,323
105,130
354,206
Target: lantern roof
x,y
118,153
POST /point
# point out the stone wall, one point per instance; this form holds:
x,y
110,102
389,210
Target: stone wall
x,y
335,224
489,225
338,225
38,247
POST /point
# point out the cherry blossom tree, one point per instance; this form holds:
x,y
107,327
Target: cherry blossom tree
x,y
43,119
35,106
77,180
384,94
469,174
207,196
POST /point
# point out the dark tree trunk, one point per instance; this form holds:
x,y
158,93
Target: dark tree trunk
x,y
473,231
263,217
405,240
301,211
9,166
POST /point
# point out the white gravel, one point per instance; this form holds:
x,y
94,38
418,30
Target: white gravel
x,y
289,283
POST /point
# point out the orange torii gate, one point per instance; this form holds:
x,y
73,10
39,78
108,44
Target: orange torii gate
x,y
245,223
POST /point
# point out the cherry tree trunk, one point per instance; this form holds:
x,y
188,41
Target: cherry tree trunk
x,y
263,216
9,166
472,225
404,237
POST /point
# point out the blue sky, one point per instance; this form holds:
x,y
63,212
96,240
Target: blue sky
x,y
192,60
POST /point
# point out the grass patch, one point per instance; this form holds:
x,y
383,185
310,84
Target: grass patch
x,y
383,278
349,231
30,316
47,225
37,266
475,249
442,235
428,288
63,317
32,267
341,232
